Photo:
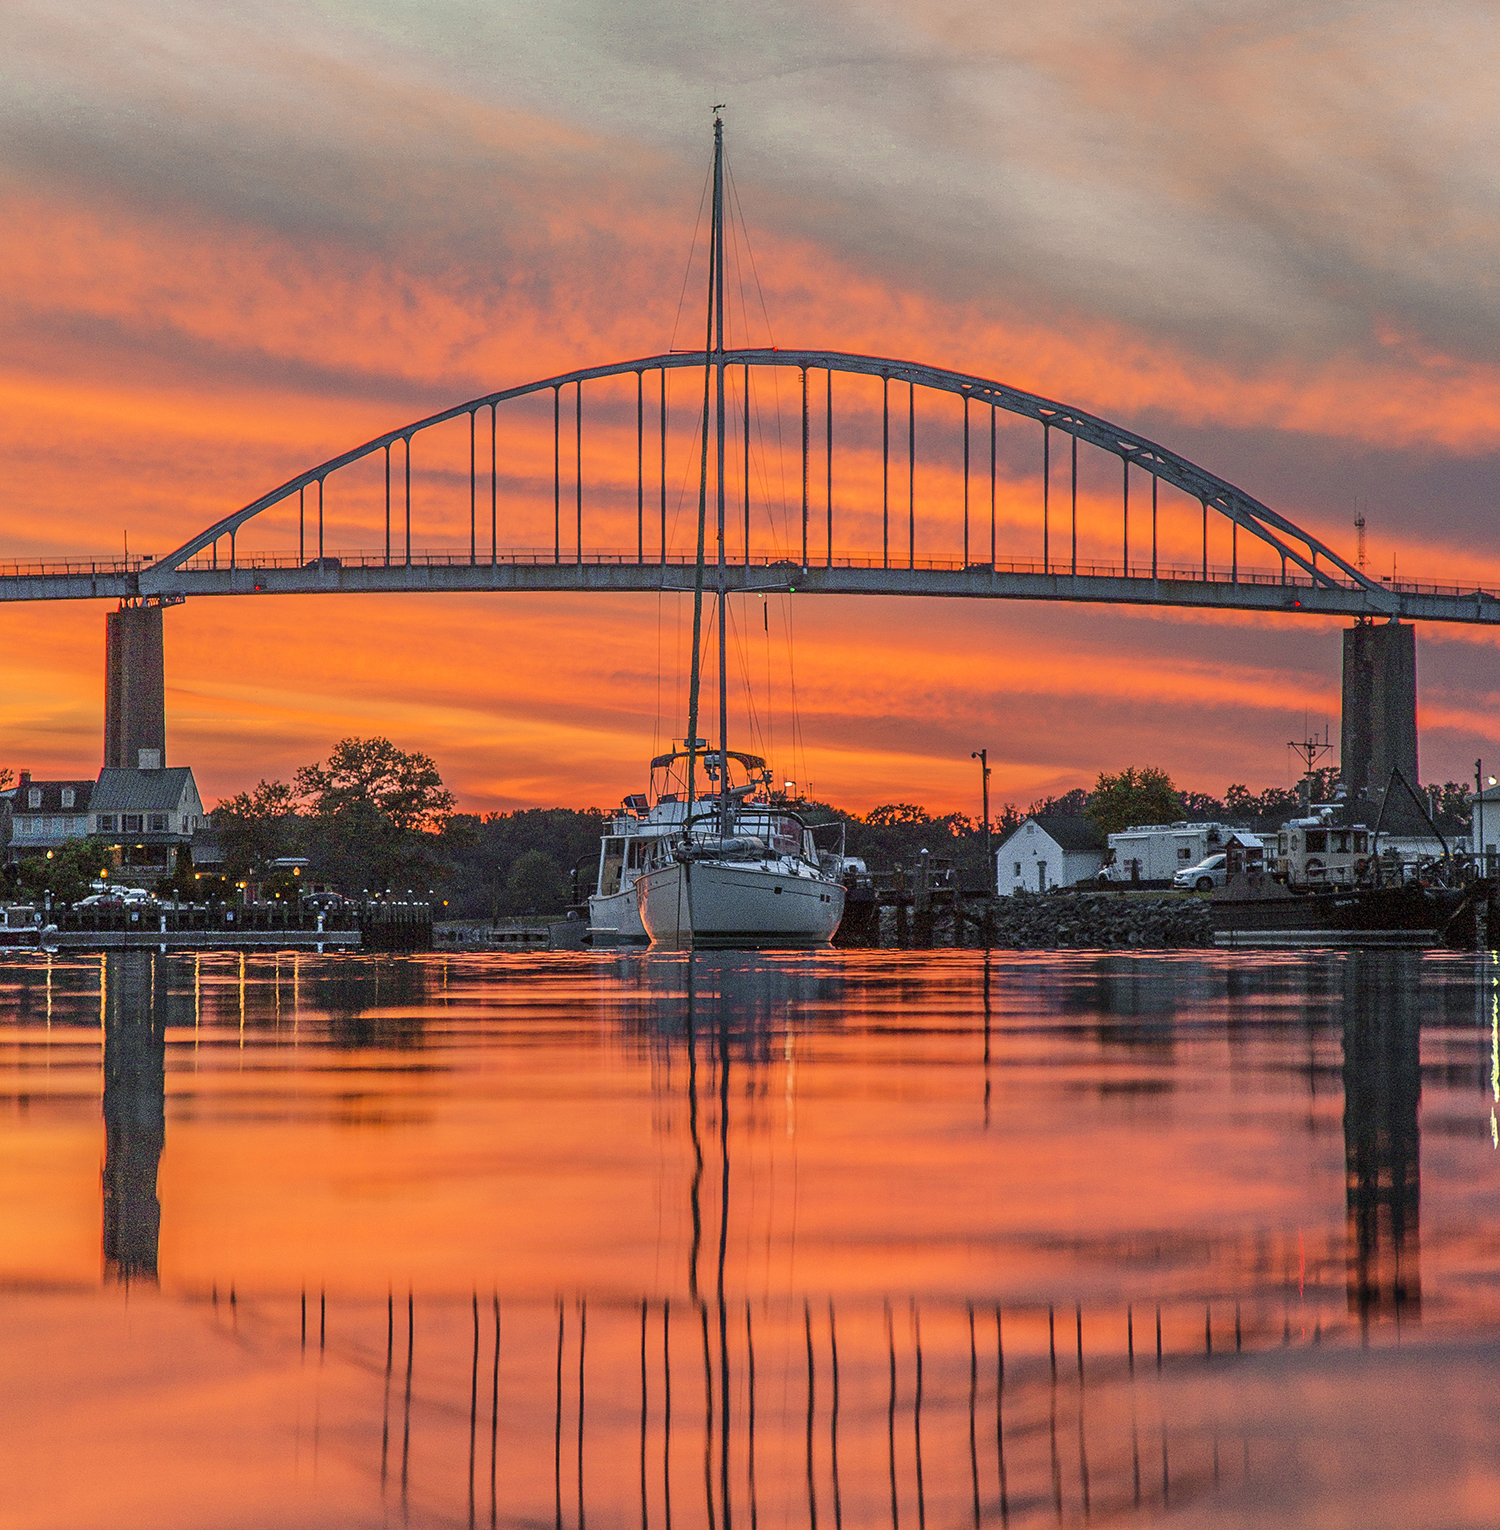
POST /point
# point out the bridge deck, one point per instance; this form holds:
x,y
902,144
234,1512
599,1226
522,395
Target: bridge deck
x,y
434,573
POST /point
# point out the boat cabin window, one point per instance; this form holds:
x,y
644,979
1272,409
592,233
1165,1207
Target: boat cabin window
x,y
1340,843
1317,841
786,836
1361,842
610,864
635,853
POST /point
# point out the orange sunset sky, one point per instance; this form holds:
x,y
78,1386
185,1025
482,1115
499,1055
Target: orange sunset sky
x,y
243,239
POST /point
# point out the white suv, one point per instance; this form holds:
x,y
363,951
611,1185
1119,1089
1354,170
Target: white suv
x,y
1205,876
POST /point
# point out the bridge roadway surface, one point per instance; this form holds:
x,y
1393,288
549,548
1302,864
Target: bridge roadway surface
x,y
434,573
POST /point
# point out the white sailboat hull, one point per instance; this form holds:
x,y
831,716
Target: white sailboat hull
x,y
618,914
714,902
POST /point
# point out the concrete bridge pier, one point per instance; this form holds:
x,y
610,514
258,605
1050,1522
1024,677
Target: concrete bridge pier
x,y
135,708
1379,723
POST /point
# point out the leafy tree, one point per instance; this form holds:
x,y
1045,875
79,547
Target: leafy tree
x,y
258,826
1137,795
66,873
1071,804
897,815
371,818
536,885
1453,811
371,779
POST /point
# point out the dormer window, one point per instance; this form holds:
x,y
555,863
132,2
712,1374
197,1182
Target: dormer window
x,y
68,796
34,797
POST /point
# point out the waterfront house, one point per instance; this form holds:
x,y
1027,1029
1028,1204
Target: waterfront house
x,y
46,814
1049,850
144,816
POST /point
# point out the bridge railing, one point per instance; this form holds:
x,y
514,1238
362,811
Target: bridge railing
x,y
623,557
360,558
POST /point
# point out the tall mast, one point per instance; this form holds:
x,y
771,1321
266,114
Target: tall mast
x,y
708,346
723,573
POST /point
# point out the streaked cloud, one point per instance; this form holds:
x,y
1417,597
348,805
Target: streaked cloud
x,y
243,241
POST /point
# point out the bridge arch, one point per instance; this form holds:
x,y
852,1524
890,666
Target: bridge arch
x,y
1305,559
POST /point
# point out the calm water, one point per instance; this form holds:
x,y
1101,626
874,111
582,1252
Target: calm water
x,y
846,1239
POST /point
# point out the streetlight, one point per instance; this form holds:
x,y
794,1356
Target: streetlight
x,y
983,756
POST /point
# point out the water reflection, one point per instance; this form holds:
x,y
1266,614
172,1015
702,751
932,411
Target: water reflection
x,y
858,1236
1382,1138
135,1120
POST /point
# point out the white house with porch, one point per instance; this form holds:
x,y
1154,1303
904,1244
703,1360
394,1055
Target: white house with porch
x,y
1049,850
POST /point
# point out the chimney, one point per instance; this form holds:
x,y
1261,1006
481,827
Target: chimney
x,y
25,778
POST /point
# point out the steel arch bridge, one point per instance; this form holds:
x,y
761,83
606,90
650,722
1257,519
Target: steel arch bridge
x,y
1296,573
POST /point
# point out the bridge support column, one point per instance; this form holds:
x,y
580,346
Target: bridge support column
x,y
1379,729
135,708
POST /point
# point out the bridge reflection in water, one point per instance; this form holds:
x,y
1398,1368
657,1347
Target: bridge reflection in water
x,y
712,1405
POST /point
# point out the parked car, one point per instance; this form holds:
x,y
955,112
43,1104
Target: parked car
x,y
102,900
1205,876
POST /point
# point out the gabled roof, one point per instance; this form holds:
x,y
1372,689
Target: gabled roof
x,y
142,791
1073,833
20,796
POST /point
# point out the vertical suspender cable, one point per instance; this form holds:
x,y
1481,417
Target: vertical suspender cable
x,y
828,410
387,504
578,460
1205,541
1125,517
473,498
992,488
1154,482
494,492
804,467
320,525
747,464
640,467
407,455
663,466
301,511
556,474
1046,488
966,480
1075,505
885,471
911,474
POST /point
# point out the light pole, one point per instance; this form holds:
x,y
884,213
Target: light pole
x,y
983,756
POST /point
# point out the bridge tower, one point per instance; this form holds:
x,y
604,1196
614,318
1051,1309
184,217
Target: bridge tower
x,y
135,708
1379,725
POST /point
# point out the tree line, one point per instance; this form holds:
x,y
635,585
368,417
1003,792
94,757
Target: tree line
x,y
373,819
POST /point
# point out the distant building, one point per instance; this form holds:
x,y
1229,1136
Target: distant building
x,y
1050,850
46,814
139,818
146,815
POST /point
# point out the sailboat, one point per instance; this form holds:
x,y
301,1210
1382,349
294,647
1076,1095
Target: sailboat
x,y
741,871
